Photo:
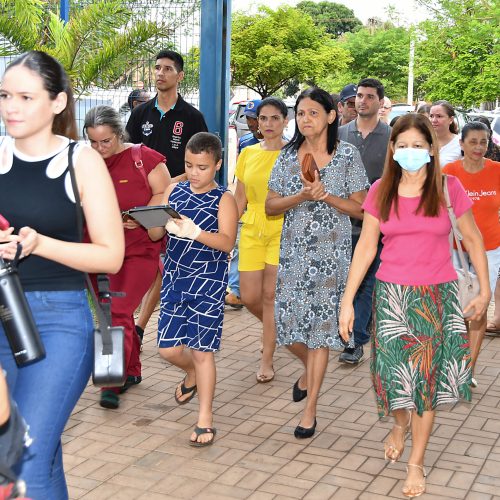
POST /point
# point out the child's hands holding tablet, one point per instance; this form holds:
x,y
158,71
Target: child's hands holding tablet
x,y
183,228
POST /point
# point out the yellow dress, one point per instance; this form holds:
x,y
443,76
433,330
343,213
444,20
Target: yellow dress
x,y
260,234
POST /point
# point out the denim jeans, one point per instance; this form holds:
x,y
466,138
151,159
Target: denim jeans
x,y
234,274
364,297
47,391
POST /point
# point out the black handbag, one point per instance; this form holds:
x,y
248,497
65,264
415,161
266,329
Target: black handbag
x,y
109,341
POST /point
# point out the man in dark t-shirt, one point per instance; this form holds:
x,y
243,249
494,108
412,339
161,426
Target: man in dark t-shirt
x,y
371,137
167,122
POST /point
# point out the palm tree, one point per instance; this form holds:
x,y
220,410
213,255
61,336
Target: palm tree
x,y
101,43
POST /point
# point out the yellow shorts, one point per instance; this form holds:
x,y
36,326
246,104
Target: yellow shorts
x,y
260,243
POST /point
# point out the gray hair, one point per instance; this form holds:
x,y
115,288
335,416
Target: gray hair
x,y
105,115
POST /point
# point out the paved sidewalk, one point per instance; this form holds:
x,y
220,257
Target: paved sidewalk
x,y
140,451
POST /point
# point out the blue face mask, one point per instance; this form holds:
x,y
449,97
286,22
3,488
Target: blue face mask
x,y
412,159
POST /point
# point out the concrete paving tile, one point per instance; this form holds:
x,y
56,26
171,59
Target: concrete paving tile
x,y
143,445
478,496
253,480
321,491
260,495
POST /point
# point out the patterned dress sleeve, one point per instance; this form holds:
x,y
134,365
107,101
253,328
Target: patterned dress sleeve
x,y
277,178
356,173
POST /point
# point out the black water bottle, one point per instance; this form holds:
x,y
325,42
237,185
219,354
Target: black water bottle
x,y
15,313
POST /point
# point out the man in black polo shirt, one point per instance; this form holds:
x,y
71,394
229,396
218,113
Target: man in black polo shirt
x,y
371,136
167,122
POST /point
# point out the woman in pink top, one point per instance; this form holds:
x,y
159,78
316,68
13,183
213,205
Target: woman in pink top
x,y
420,353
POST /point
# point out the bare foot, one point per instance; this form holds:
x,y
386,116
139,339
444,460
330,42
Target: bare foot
x,y
265,374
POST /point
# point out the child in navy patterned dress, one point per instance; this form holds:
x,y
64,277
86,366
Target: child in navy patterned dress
x,y
195,276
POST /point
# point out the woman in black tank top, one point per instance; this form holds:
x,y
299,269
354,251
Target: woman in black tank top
x,y
37,107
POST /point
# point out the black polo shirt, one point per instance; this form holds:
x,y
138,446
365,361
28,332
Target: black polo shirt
x,y
167,134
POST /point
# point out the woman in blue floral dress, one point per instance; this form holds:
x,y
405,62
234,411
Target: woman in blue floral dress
x,y
315,241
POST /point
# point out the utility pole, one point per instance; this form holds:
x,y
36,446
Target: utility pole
x,y
411,58
214,71
64,10
411,63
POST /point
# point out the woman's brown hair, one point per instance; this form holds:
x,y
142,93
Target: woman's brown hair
x,y
450,111
432,198
55,80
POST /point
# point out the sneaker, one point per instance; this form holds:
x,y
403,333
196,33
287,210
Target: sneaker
x,y
131,380
233,300
352,355
109,399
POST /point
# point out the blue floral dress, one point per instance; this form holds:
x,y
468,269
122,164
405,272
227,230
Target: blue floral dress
x,y
315,250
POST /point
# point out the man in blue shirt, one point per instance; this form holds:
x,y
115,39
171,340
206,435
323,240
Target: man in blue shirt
x,y
253,136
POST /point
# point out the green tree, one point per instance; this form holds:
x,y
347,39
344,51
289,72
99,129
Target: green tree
x,y
272,48
381,53
191,81
457,55
95,46
335,18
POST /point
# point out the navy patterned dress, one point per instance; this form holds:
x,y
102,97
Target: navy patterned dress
x,y
195,277
315,250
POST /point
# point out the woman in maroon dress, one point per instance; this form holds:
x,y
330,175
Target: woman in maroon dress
x,y
135,185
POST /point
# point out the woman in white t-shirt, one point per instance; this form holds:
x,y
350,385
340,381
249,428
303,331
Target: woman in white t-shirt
x,y
442,117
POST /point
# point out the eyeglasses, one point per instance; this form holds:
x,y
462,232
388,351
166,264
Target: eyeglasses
x,y
349,104
104,143
387,107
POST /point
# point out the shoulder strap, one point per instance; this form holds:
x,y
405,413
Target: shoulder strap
x,y
103,316
137,157
457,235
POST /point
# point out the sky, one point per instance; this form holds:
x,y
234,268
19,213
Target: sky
x,y
363,9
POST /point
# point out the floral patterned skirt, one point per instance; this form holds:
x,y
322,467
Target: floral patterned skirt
x,y
420,350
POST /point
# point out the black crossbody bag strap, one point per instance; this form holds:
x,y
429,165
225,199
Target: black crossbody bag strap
x,y
103,313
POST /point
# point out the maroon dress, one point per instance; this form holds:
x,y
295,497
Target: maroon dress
x,y
141,254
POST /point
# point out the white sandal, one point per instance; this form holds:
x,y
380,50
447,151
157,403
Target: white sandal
x,y
421,486
390,447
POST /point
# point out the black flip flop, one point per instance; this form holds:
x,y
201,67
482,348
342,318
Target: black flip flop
x,y
185,390
203,430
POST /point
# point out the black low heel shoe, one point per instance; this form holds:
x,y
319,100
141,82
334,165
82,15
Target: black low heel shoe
x,y
298,394
305,432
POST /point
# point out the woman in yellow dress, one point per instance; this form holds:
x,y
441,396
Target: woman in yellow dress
x,y
260,233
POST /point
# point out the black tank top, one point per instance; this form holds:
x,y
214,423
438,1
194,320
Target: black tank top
x,y
37,192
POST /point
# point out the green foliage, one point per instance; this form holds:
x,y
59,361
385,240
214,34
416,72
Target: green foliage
x,y
272,48
95,46
334,18
457,57
381,53
191,81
